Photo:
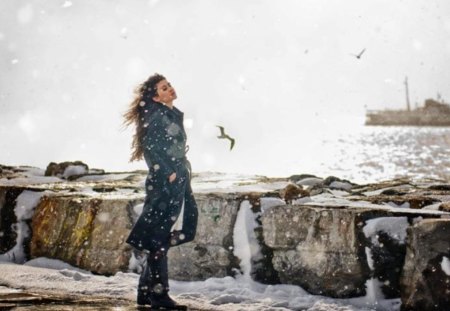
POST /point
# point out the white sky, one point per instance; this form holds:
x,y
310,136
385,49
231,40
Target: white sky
x,y
263,69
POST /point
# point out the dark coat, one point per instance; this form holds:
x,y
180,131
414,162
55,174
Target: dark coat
x,y
164,140
164,144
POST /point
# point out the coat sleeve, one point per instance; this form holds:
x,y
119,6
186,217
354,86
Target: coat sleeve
x,y
157,143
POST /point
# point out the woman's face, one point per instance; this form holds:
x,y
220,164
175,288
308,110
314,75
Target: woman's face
x,y
165,92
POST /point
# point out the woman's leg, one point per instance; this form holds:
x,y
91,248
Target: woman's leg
x,y
151,233
157,281
144,286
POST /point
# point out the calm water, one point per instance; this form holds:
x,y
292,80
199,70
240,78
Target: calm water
x,y
377,153
355,152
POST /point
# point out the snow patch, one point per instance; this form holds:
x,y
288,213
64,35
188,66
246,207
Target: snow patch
x,y
221,294
310,181
137,209
302,200
445,265
54,264
341,185
373,291
267,203
403,205
135,264
244,240
369,258
395,227
72,170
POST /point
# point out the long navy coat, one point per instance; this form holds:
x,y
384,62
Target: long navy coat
x,y
165,153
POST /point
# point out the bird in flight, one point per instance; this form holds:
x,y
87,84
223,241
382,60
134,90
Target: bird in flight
x,y
223,135
360,54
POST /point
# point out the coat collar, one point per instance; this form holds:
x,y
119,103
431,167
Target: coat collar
x,y
174,110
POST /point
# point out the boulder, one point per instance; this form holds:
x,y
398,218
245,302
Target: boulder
x,y
445,207
85,232
319,249
292,192
211,252
334,250
425,280
413,201
299,177
66,169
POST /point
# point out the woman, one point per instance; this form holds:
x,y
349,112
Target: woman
x,y
160,139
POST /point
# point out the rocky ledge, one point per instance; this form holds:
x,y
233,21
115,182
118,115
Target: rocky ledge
x,y
330,236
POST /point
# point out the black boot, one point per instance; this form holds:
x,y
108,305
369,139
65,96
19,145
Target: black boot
x,y
143,292
143,297
160,299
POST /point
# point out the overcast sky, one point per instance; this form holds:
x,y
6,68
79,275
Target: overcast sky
x,y
263,69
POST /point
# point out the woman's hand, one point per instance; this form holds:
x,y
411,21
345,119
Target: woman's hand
x,y
172,177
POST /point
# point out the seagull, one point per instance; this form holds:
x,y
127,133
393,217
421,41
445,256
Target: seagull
x,y
223,135
360,54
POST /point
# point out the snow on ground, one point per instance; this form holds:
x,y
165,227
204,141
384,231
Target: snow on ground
x,y
445,265
221,294
395,227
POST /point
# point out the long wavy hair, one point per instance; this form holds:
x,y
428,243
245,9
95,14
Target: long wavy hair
x,y
144,92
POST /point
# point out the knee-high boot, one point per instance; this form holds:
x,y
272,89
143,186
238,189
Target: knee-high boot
x,y
144,286
159,282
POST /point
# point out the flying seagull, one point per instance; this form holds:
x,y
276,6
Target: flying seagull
x,y
223,135
360,54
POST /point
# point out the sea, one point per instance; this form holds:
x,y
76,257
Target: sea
x,y
361,154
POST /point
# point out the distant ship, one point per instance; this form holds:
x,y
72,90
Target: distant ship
x,y
433,113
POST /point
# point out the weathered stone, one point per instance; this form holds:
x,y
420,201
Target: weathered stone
x,y
310,182
318,248
393,191
297,178
88,233
293,191
402,183
59,169
107,248
445,187
324,248
331,179
414,201
218,212
424,283
445,207
199,262
339,185
211,252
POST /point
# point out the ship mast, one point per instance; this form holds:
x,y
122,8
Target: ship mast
x,y
407,94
